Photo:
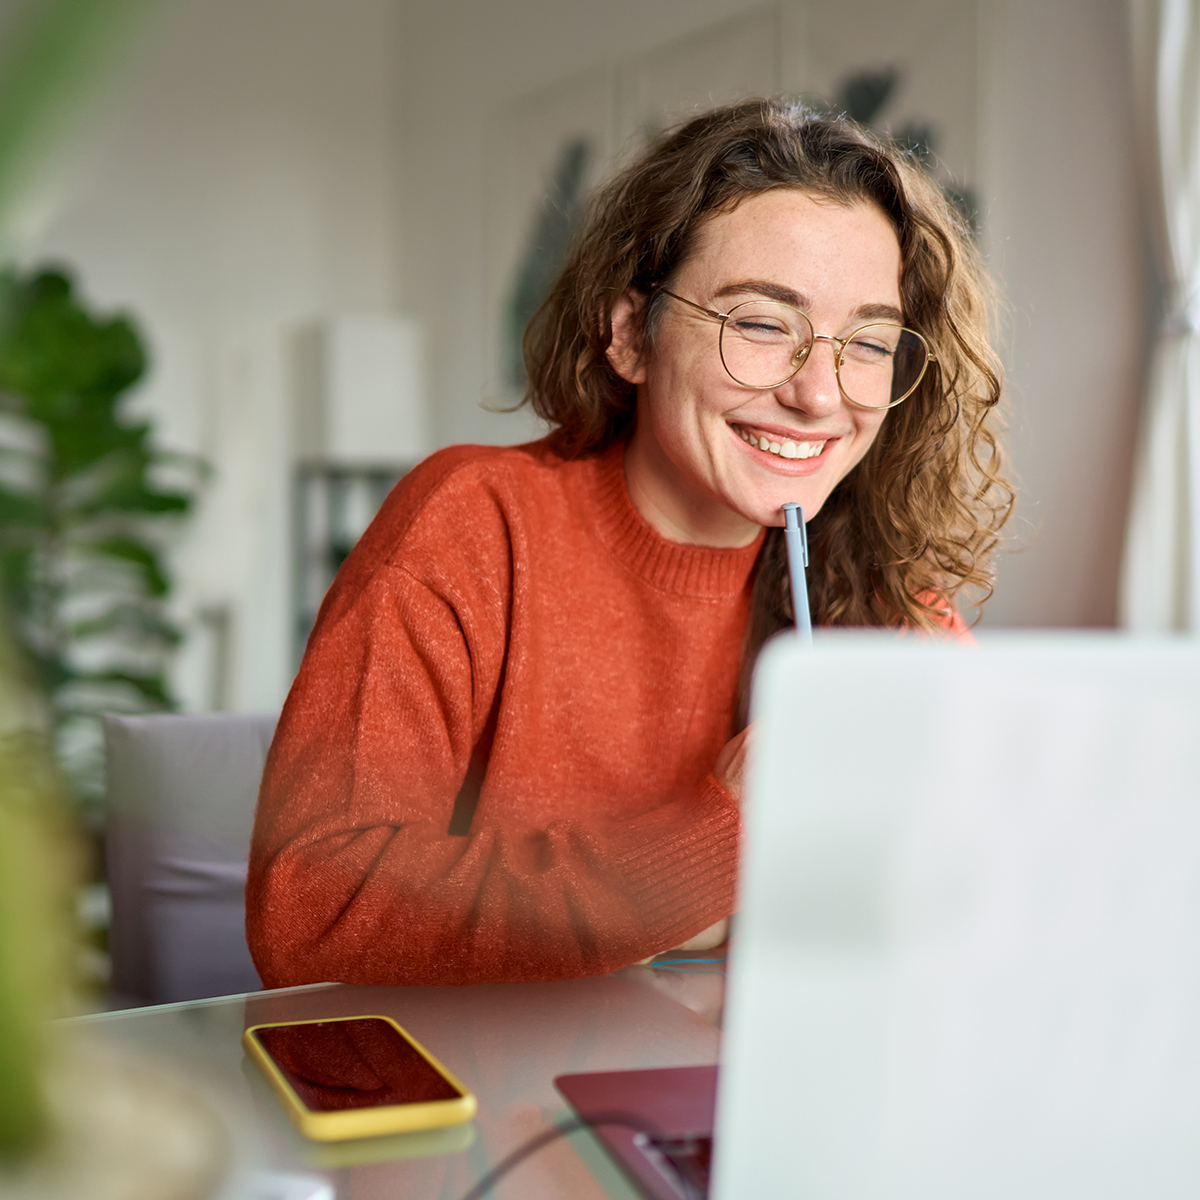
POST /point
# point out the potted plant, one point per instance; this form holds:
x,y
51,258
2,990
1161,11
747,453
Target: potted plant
x,y
83,498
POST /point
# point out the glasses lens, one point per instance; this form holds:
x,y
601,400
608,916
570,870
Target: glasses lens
x,y
881,364
764,344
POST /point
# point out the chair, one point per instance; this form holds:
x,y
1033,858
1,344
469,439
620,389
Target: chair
x,y
181,797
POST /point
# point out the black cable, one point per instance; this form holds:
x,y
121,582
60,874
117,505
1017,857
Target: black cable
x,y
538,1141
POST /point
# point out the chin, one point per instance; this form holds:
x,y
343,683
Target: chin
x,y
768,513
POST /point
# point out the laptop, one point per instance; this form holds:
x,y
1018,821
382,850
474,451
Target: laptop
x,y
968,951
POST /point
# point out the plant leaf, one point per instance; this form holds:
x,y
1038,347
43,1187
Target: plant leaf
x,y
138,554
130,618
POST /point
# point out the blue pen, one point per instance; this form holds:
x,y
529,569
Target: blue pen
x,y
795,535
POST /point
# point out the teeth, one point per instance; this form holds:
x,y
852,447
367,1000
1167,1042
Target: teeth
x,y
785,449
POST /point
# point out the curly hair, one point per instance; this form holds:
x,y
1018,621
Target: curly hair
x,y
917,520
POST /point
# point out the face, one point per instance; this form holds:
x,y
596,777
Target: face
x,y
696,467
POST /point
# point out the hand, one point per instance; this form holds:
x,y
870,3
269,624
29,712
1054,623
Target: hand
x,y
731,764
708,939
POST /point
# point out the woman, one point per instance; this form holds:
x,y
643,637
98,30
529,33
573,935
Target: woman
x,y
514,749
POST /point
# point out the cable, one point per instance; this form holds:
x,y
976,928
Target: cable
x,y
538,1141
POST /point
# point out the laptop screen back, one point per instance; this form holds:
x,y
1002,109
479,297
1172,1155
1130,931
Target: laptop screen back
x,y
967,960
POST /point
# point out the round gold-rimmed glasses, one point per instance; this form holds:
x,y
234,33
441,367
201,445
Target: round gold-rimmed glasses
x,y
764,343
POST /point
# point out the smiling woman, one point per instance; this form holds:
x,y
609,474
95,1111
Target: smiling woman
x,y
515,747
764,200
696,463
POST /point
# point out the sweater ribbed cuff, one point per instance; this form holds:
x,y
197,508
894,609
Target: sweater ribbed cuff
x,y
682,873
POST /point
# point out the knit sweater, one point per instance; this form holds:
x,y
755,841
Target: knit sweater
x,y
495,762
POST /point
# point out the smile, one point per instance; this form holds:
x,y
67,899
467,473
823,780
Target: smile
x,y
782,447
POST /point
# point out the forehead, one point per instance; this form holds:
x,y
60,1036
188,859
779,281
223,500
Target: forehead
x,y
847,253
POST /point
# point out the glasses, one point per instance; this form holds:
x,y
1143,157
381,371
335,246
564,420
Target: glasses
x,y
764,343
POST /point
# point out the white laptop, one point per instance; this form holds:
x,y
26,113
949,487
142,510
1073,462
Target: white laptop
x,y
967,962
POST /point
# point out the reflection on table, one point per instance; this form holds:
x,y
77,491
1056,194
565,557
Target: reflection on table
x,y
507,1042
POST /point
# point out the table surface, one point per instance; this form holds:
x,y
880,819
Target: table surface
x,y
507,1042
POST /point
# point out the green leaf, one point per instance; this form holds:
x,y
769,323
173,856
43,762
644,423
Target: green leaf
x,y
138,554
126,618
128,493
54,54
20,508
64,363
150,686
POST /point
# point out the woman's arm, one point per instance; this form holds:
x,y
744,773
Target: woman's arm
x,y
729,772
354,875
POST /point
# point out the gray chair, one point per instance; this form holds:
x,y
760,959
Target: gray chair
x,y
181,796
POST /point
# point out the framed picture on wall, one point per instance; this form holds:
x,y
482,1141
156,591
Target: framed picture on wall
x,y
545,155
911,72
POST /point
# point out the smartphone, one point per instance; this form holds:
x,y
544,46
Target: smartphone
x,y
356,1077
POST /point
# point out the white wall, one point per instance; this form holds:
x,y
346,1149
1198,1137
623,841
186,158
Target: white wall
x,y
1063,234
242,180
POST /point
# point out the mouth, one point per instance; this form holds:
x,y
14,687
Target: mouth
x,y
780,446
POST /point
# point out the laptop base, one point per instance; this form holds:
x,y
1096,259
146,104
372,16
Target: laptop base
x,y
669,1157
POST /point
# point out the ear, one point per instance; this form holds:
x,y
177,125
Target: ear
x,y
625,350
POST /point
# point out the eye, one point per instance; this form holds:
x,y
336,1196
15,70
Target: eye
x,y
870,346
758,328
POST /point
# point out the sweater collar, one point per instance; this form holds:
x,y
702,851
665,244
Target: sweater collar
x,y
703,572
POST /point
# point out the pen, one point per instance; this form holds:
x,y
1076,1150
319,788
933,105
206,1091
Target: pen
x,y
795,536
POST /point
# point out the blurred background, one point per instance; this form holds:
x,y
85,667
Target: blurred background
x,y
325,220
263,255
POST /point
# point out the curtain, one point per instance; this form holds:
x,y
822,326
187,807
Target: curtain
x,y
1160,581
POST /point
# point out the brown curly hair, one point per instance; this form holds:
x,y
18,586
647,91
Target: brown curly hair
x,y
917,519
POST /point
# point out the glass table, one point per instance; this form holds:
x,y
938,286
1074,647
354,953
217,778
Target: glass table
x,y
507,1042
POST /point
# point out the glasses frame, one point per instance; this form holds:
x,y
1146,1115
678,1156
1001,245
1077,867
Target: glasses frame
x,y
840,345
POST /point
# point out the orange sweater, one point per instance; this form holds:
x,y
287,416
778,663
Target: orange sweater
x,y
495,762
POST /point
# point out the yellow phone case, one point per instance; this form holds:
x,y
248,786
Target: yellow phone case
x,y
344,1124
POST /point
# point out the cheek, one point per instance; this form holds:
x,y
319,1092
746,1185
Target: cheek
x,y
867,429
679,393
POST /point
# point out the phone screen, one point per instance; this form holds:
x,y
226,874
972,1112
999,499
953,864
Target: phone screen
x,y
360,1063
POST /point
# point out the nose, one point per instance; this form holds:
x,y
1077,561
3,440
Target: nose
x,y
813,390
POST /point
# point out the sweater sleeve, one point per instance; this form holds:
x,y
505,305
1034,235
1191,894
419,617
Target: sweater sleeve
x,y
354,875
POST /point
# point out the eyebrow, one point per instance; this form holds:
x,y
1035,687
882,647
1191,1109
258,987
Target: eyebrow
x,y
763,287
787,295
